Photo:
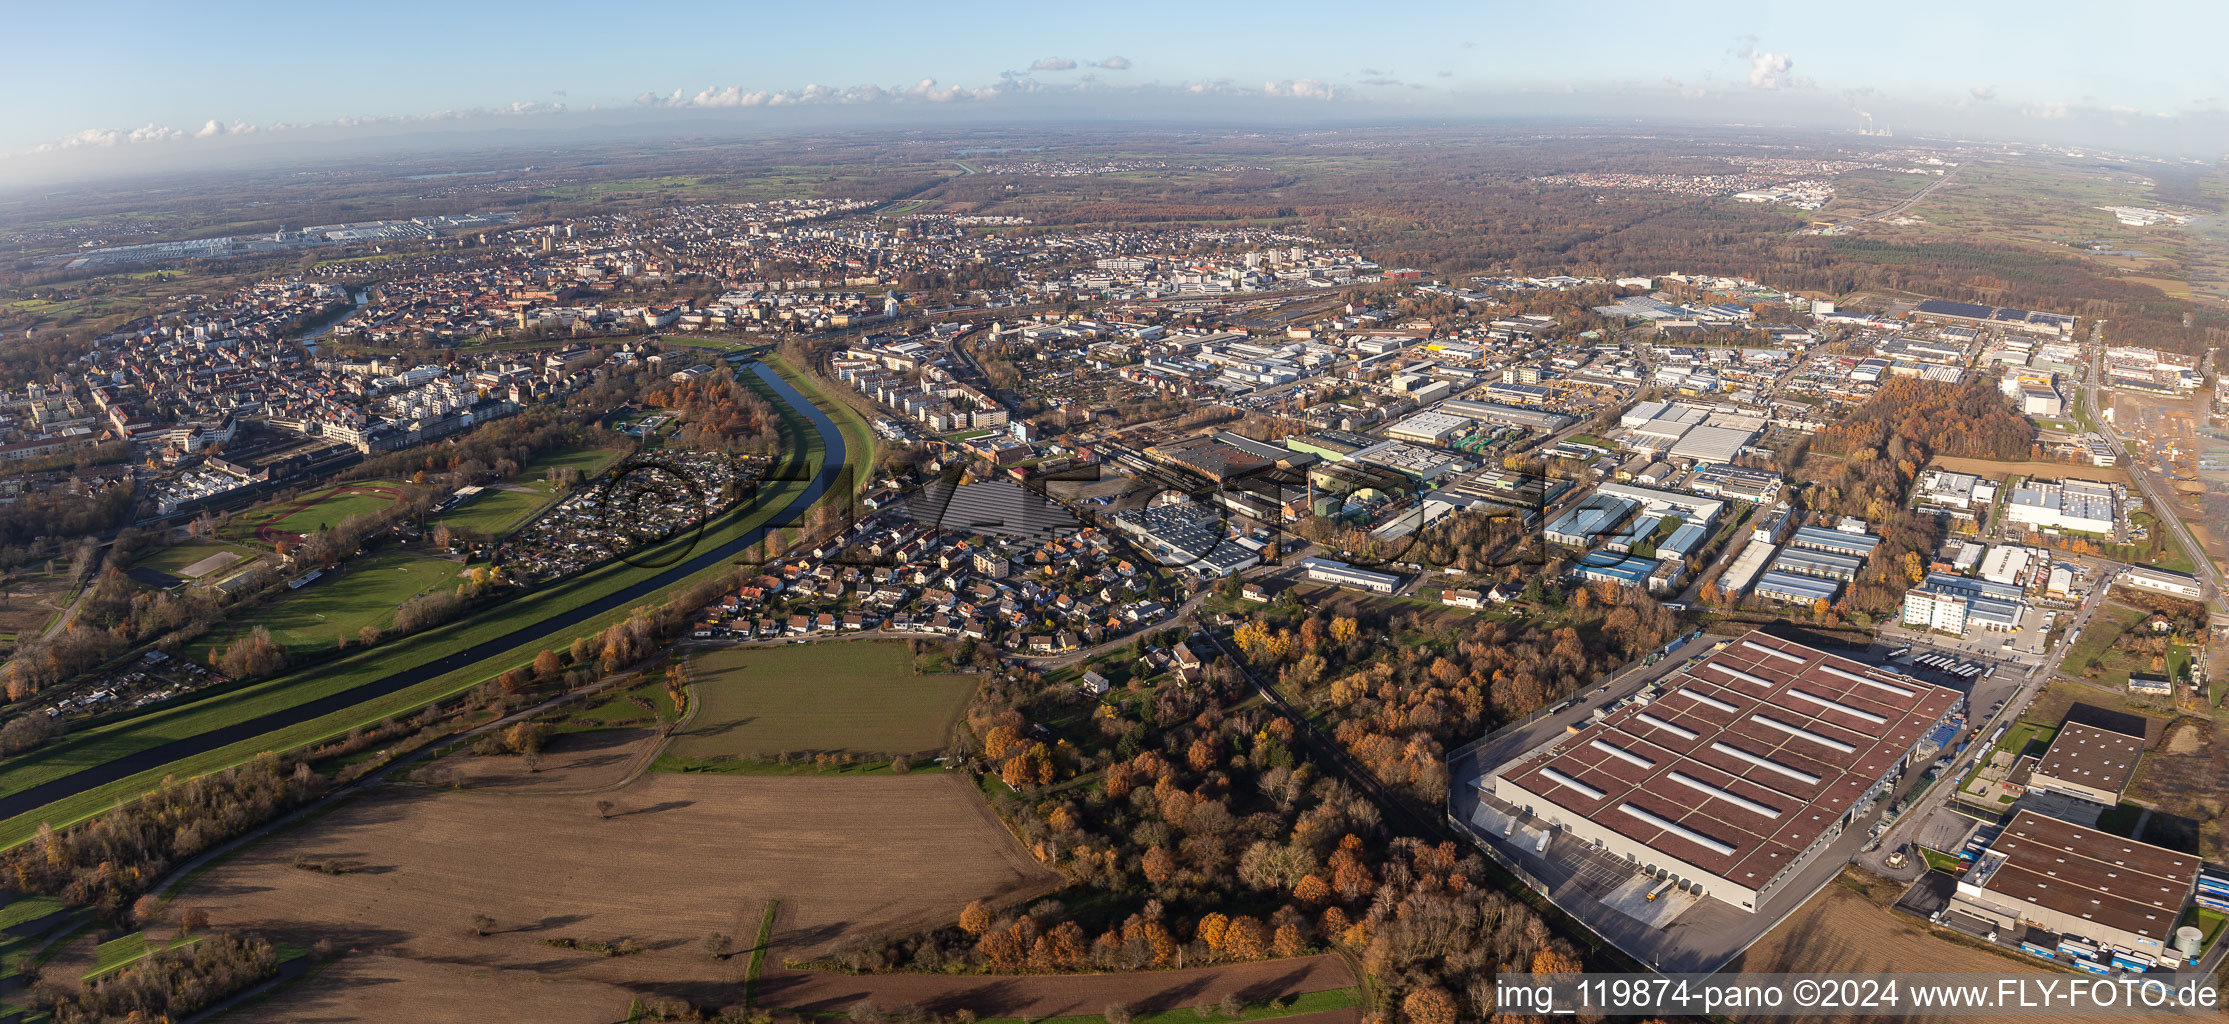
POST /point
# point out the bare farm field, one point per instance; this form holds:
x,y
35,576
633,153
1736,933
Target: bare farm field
x,y
1035,997
1842,932
385,987
679,858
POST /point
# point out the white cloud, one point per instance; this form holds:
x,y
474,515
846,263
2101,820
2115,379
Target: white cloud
x,y
2050,110
1300,88
1771,70
1052,64
1984,93
1116,63
110,137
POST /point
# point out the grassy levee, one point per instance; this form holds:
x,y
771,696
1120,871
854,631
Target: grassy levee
x,y
133,736
859,439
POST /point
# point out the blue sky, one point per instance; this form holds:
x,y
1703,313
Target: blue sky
x,y
121,76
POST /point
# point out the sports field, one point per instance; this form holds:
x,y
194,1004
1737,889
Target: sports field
x,y
503,507
319,511
859,697
340,604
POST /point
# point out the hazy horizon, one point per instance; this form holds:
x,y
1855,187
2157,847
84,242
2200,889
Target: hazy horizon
x,y
262,87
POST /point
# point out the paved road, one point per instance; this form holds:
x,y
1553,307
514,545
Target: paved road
x,y
555,628
2031,684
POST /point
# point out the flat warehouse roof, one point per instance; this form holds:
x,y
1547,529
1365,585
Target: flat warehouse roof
x,y
1744,760
2082,872
2090,756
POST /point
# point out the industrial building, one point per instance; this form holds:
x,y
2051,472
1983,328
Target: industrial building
x,y
2079,882
1340,574
1711,444
1501,415
1330,445
1430,428
1838,542
2088,763
1422,465
1953,604
1741,774
2079,505
1693,508
1593,518
2162,581
1963,492
1792,588
1826,565
1628,571
2056,324
1755,486
1754,557
1189,535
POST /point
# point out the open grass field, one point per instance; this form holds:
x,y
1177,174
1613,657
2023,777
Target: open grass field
x,y
857,697
2046,205
571,761
2181,778
679,859
340,604
31,600
1840,931
506,506
129,742
618,709
2097,645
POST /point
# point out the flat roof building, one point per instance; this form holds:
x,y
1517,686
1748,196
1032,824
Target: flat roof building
x,y
1826,565
1507,415
1429,428
1693,508
2078,505
1819,538
1325,570
1749,765
2162,581
2064,878
1753,558
1594,518
1795,589
1711,444
2088,763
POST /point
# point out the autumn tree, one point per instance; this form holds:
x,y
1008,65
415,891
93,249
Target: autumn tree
x,y
1429,1004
